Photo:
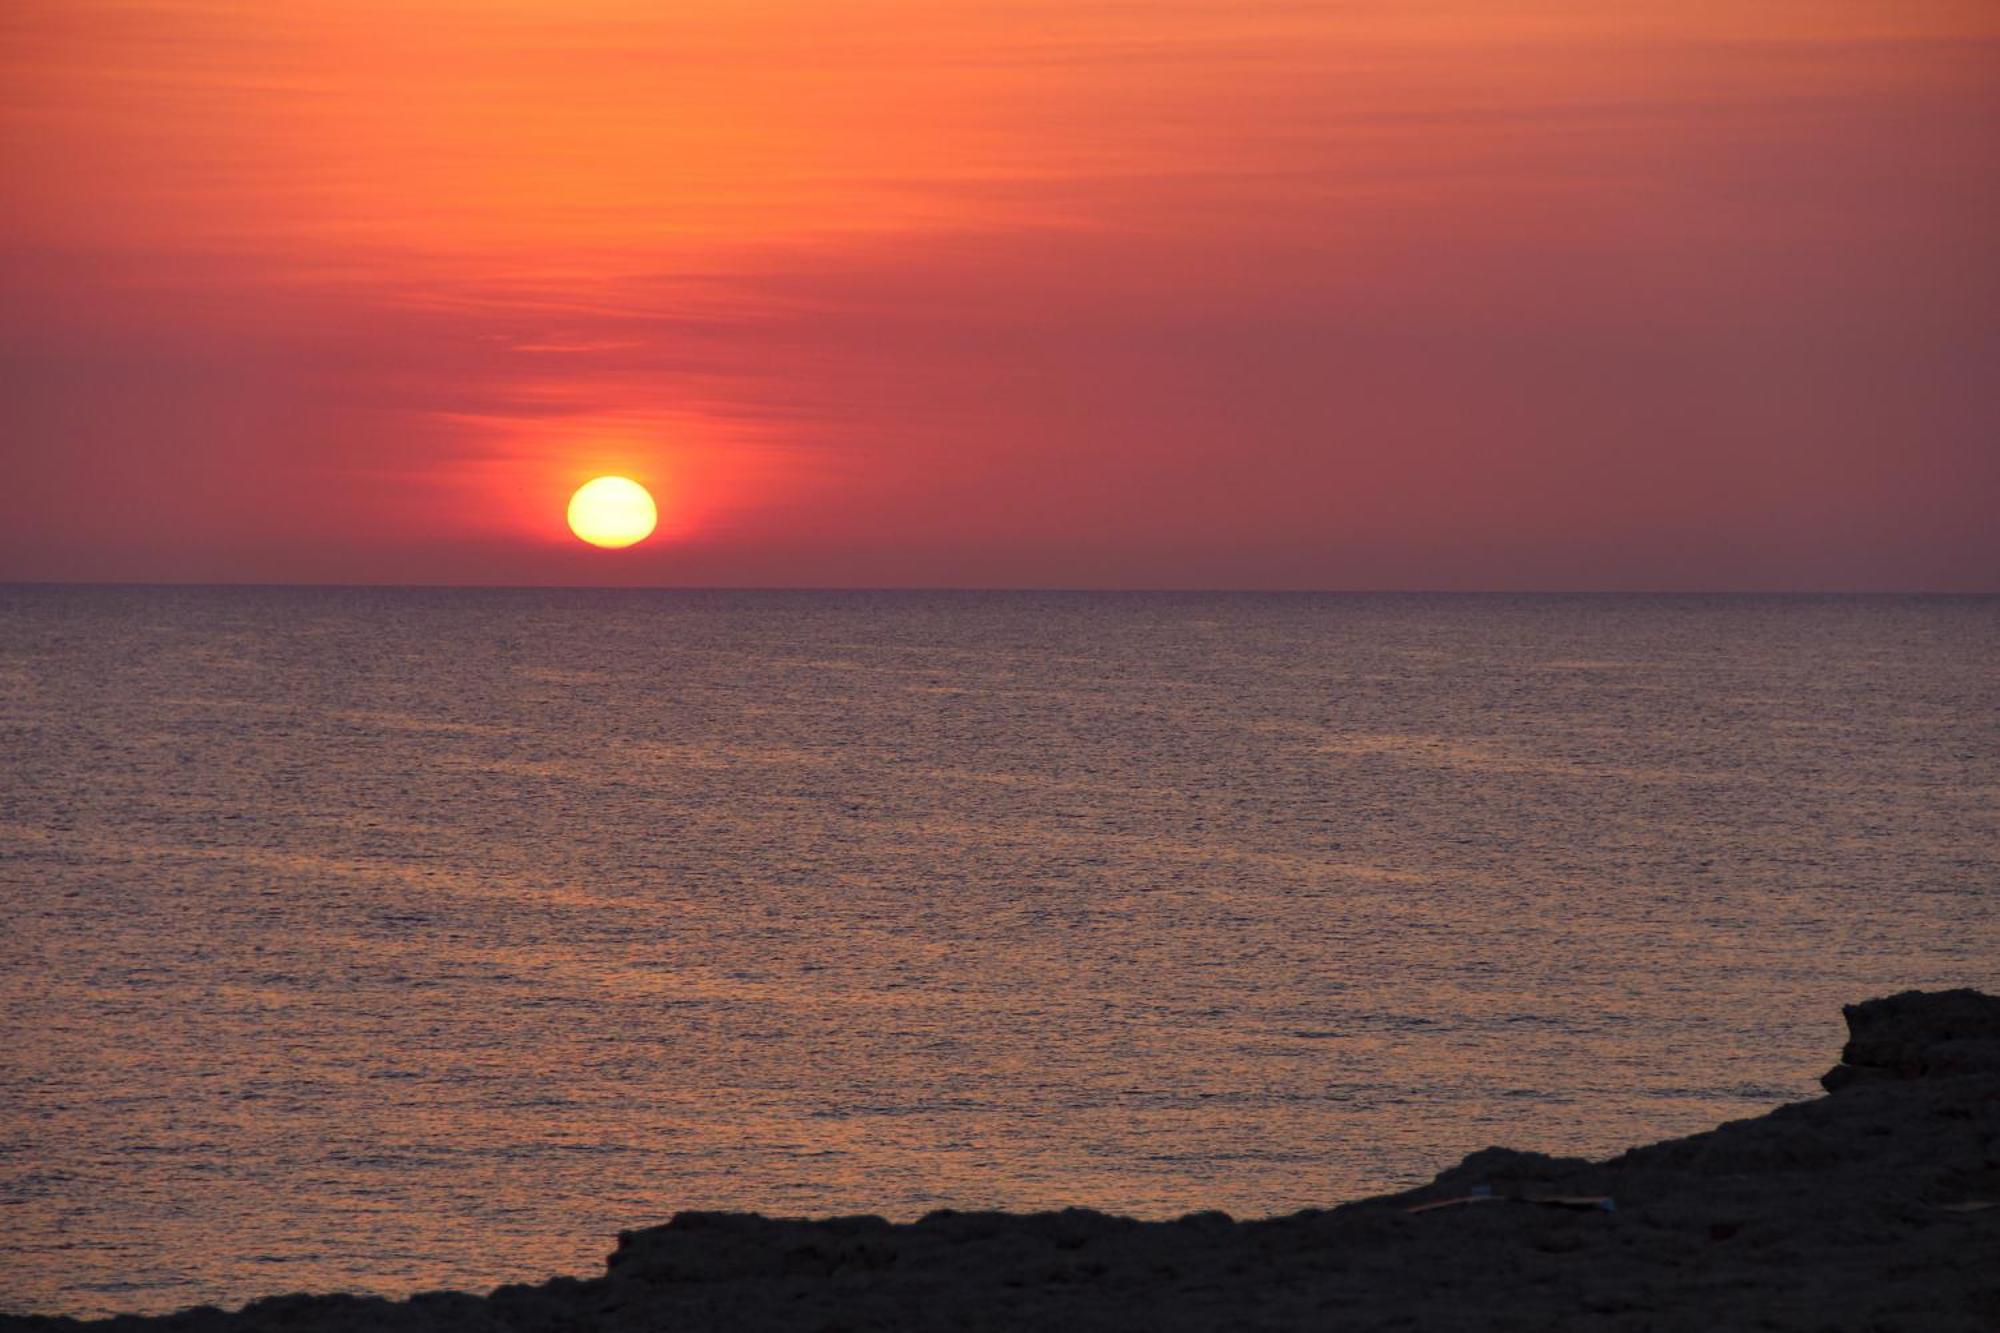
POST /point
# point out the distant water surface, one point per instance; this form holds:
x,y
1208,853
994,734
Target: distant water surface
x,y
390,940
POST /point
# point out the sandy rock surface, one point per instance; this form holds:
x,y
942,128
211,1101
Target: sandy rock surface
x,y
1870,1208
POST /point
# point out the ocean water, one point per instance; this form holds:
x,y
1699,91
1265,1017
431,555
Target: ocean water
x,y
391,940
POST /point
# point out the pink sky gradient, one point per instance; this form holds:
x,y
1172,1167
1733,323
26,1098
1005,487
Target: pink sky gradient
x,y
1051,293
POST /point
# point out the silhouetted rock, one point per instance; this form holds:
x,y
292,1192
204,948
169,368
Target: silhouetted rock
x,y
1918,1035
1873,1209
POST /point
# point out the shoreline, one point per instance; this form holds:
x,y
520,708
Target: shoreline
x,y
1874,1206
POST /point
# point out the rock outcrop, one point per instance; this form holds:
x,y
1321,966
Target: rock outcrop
x,y
1873,1208
1917,1035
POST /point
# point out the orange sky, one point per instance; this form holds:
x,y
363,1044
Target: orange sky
x,y
1186,293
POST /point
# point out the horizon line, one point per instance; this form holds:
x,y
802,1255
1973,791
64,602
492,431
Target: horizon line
x,y
999,588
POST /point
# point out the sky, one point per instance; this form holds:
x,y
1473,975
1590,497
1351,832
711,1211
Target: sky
x,y
1345,294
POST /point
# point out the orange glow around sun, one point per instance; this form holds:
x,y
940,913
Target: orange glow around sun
x,y
612,512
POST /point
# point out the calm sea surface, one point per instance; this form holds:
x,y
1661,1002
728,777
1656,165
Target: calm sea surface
x,y
388,940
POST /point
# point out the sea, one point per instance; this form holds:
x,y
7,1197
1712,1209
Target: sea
x,y
388,940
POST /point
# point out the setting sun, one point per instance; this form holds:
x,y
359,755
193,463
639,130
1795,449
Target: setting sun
x,y
612,511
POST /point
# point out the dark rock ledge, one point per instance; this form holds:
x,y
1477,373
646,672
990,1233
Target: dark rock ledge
x,y
1871,1208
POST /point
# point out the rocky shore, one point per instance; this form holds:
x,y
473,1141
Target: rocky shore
x,y
1874,1207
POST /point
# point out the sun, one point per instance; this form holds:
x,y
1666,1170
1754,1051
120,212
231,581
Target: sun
x,y
612,511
